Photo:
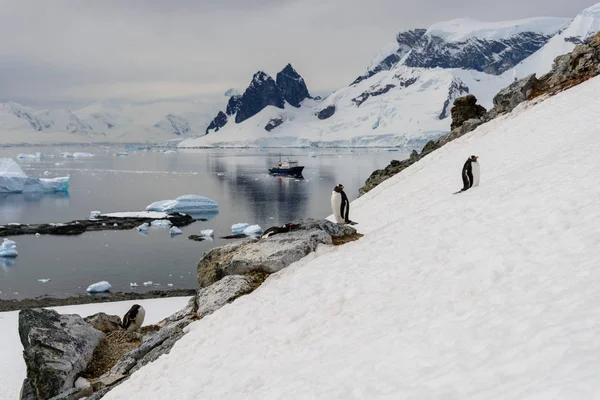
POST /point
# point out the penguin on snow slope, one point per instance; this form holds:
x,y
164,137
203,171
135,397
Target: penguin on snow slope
x,y
470,173
134,318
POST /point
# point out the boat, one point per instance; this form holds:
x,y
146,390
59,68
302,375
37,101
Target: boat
x,y
287,167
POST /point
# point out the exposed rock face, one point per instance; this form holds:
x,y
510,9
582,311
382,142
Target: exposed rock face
x,y
268,255
374,91
273,123
56,349
457,89
104,322
176,124
217,123
292,86
262,92
211,298
326,112
233,105
510,97
465,108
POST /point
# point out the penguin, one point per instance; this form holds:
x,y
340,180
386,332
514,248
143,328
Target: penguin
x,y
470,173
336,205
274,230
134,318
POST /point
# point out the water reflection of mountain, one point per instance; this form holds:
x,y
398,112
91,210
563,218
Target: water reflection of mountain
x,y
13,205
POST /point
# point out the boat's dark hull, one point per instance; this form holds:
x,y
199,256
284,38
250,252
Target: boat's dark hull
x,y
287,171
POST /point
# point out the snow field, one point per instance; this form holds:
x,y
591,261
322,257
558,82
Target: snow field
x,y
492,293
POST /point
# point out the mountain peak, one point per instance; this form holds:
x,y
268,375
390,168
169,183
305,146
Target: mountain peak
x,y
292,86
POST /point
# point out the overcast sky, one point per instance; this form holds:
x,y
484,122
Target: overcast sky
x,y
55,52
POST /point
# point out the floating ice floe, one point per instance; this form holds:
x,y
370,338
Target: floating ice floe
x,y
239,228
253,230
25,156
66,154
121,153
162,223
189,204
43,280
99,287
8,249
14,180
83,155
175,231
148,283
95,214
133,284
169,284
208,233
143,227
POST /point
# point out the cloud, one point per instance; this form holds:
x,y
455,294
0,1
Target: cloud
x,y
83,51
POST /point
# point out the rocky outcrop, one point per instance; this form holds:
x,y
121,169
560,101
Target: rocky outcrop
x,y
510,97
267,255
211,298
217,123
326,112
104,322
465,108
292,86
101,223
233,105
262,92
372,92
457,89
273,123
56,349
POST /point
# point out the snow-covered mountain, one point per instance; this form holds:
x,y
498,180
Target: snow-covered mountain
x,y
404,97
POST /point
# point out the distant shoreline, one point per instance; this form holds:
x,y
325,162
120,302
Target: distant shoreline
x,y
42,302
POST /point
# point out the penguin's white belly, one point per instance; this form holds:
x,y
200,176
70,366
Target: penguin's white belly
x,y
476,173
138,320
336,204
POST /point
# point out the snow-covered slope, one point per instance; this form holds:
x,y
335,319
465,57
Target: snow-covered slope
x,y
582,27
488,294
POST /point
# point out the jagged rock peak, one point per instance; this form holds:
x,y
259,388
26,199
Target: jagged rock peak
x,y
292,86
262,92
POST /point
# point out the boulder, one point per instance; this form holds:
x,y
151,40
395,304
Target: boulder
x,y
327,226
104,322
292,86
56,349
326,112
273,123
267,255
215,296
510,97
464,109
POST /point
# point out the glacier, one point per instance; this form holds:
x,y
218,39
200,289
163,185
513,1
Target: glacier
x,y
14,180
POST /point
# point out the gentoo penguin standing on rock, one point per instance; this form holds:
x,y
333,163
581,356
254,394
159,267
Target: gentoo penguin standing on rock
x,y
470,173
336,205
134,318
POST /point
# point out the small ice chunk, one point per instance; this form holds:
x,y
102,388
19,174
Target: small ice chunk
x,y
43,280
83,155
148,283
169,284
189,204
253,230
25,156
121,153
8,249
46,173
220,174
82,383
115,224
175,231
143,227
95,214
99,287
133,284
66,154
238,228
162,223
207,233
37,235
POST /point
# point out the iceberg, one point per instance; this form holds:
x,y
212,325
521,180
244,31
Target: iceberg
x,y
66,154
14,180
99,287
175,231
121,153
8,249
95,214
25,156
238,228
161,223
253,230
82,155
143,227
208,233
189,204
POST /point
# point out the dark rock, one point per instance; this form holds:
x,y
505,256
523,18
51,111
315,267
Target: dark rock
x,y
371,92
326,112
273,123
102,223
217,123
430,146
74,394
456,90
465,108
327,226
56,349
233,105
292,86
262,92
236,236
197,238
27,391
510,97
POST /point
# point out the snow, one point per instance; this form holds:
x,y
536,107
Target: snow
x,y
239,228
99,287
459,30
137,214
8,248
14,180
489,294
253,230
12,366
189,203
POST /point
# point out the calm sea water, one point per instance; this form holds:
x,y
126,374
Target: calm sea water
x,y
236,179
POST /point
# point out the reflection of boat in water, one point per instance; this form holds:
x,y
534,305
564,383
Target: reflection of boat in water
x,y
287,168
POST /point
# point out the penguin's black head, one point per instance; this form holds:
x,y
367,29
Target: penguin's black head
x,y
135,307
474,158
